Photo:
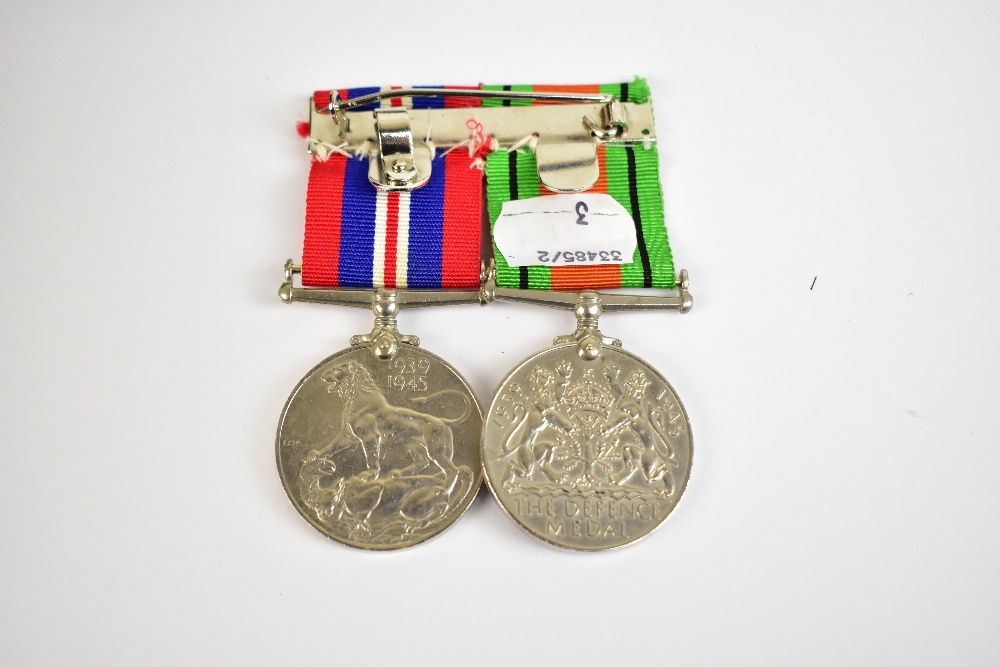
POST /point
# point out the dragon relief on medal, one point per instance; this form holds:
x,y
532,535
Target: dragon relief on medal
x,y
389,474
599,434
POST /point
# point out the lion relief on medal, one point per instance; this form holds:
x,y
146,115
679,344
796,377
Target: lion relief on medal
x,y
595,432
388,475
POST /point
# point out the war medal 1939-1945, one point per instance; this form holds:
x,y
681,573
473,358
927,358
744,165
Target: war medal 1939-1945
x,y
378,445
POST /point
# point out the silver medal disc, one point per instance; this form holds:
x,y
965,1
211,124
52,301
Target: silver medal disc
x,y
381,453
586,454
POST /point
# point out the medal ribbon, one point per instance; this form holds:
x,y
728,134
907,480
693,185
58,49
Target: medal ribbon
x,y
358,236
629,173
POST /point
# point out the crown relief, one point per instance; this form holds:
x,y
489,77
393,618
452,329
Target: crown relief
x,y
587,395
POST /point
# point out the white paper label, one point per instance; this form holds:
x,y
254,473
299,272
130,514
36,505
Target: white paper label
x,y
565,230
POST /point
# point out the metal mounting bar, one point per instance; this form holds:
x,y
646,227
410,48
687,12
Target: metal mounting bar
x,y
362,297
507,125
487,293
610,303
565,137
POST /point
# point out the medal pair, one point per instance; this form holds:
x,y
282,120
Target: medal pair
x,y
383,445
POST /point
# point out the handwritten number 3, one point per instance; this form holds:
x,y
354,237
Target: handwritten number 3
x,y
581,209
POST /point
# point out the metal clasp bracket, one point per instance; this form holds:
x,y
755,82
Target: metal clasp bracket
x,y
401,165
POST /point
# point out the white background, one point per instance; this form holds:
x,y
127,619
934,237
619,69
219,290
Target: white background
x,y
843,507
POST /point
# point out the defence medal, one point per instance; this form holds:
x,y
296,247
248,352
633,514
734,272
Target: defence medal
x,y
378,445
586,445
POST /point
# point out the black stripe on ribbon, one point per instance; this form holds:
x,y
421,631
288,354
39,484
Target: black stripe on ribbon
x,y
623,95
633,195
512,184
506,103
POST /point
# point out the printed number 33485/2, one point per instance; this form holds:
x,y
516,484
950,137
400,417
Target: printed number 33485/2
x,y
570,256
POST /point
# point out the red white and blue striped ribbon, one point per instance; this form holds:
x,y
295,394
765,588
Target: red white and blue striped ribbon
x,y
358,236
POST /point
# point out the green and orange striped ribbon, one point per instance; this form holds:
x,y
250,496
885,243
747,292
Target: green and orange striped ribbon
x,y
629,173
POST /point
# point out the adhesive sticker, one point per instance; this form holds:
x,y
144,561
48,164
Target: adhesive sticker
x,y
565,230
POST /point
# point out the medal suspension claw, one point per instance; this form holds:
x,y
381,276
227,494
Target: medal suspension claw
x,y
385,338
587,336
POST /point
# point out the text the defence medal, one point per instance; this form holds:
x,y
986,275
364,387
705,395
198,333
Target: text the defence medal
x,y
585,445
